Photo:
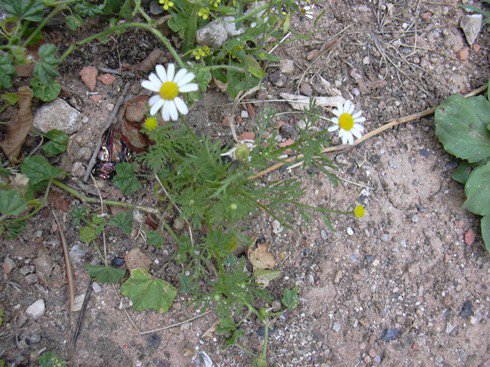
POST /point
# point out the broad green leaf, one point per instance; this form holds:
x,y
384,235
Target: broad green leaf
x,y
38,169
290,298
77,215
126,9
477,190
86,9
111,7
11,203
253,67
23,9
73,22
49,359
57,144
125,179
124,221
46,92
462,172
14,229
105,274
154,238
87,234
461,127
45,69
147,292
7,72
10,98
485,231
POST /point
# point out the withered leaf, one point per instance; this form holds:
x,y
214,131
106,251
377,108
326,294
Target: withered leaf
x,y
19,128
260,257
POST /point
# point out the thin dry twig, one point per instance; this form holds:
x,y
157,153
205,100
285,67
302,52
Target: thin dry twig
x,y
69,273
125,311
327,46
102,209
175,325
112,117
339,148
78,329
238,100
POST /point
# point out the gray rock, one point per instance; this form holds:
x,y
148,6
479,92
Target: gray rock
x,y
287,66
230,27
57,115
155,7
78,253
96,287
36,310
8,265
288,131
471,26
278,79
27,269
213,34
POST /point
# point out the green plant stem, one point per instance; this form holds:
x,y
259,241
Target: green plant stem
x,y
266,341
86,199
229,67
143,13
41,25
123,27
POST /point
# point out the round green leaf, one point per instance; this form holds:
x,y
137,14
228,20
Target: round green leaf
x,y
11,203
485,231
461,127
477,190
147,292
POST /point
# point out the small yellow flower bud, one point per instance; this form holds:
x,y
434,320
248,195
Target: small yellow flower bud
x,y
151,123
359,211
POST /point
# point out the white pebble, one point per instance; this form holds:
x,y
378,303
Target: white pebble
x,y
350,232
36,310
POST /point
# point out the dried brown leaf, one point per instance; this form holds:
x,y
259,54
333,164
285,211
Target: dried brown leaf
x,y
260,257
18,130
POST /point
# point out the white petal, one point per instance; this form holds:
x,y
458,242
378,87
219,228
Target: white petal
x,y
161,73
150,86
333,128
344,138
336,112
155,80
350,138
359,127
357,114
186,79
356,133
360,119
166,111
154,99
192,87
347,106
335,120
174,115
154,109
180,74
181,106
170,72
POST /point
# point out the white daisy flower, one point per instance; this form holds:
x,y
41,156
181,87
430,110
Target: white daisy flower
x,y
307,11
168,85
347,122
241,150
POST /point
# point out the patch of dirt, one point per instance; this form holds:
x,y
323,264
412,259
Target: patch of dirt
x,y
398,287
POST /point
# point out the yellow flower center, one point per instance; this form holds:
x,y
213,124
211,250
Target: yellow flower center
x,y
169,90
151,123
359,211
346,121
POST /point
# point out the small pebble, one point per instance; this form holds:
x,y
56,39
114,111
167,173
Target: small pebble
x,y
415,218
466,310
336,327
117,262
244,114
8,265
324,234
96,287
154,341
350,232
36,310
390,334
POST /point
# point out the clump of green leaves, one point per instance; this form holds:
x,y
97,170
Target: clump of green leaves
x,y
463,128
50,359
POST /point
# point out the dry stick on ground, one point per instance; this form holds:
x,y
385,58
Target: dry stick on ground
x,y
102,209
174,325
327,46
118,104
69,273
78,329
240,96
369,135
